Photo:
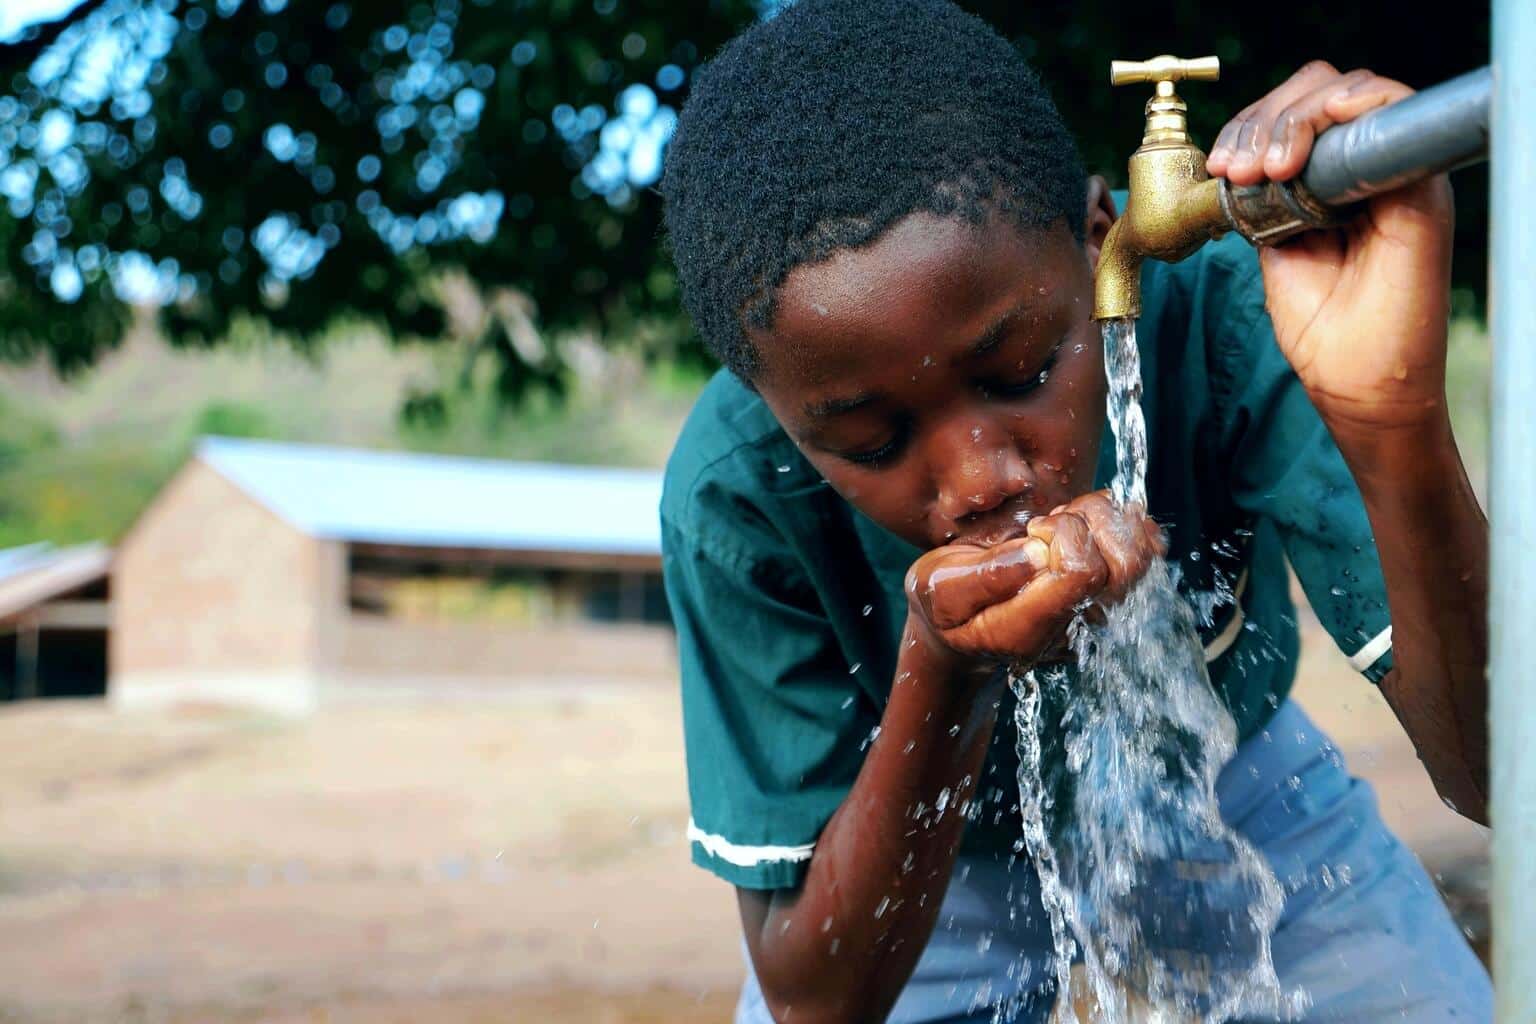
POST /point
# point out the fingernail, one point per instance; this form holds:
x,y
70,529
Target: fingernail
x,y
1276,152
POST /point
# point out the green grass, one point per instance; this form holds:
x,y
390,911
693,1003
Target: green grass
x,y
1468,365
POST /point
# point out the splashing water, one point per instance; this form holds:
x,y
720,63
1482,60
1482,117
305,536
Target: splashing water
x,y
1171,910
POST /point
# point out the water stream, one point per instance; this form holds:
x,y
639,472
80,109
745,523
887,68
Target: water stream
x,y
1168,910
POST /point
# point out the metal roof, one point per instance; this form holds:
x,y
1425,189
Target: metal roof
x,y
405,498
36,573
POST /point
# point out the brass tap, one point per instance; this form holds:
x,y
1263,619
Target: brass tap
x,y
1174,205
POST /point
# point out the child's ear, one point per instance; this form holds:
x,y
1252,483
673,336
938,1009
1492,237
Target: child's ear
x,y
1098,218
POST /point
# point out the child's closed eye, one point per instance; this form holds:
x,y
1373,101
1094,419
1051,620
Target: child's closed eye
x,y
1014,387
879,456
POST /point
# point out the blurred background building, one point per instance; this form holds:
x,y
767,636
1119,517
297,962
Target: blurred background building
x,y
279,575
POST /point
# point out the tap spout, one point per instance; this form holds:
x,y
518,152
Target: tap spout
x,y
1171,212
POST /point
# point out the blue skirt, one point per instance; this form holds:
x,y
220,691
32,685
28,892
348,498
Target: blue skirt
x,y
1364,933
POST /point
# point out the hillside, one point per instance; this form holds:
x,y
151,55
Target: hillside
x,y
79,458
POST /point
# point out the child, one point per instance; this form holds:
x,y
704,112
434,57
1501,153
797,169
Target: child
x,y
884,232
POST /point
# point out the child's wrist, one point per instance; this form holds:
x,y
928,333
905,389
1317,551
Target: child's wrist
x,y
933,659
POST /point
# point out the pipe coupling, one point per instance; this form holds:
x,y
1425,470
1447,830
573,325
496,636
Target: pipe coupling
x,y
1271,212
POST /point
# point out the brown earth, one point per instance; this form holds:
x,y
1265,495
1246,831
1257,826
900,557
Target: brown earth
x,y
515,860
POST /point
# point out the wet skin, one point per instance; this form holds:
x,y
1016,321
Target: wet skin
x,y
948,380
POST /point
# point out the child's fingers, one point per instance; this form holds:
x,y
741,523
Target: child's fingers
x,y
950,585
1297,126
1238,149
1025,625
1122,539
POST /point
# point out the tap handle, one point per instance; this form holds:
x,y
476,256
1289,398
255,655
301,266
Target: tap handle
x,y
1164,69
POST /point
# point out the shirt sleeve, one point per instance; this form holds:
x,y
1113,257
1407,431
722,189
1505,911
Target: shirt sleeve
x,y
774,729
1285,469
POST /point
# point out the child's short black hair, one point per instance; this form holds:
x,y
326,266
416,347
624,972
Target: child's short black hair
x,y
820,128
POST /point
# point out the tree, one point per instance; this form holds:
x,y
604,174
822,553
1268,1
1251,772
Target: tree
x,y
308,161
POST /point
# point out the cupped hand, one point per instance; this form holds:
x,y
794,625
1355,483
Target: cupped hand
x,y
1012,602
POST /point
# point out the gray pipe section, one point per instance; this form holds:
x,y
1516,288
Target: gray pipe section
x,y
1436,130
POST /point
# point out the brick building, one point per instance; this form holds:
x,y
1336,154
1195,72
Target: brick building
x,y
283,576
54,613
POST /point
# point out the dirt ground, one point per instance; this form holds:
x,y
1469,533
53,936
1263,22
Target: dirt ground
x,y
516,860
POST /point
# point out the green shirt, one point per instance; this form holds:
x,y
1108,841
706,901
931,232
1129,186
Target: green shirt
x,y
789,606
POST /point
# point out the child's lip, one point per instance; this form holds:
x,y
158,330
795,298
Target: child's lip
x,y
1009,522
993,536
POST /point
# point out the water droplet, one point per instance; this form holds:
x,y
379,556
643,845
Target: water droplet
x,y
880,910
867,609
848,702
826,925
784,468
927,360
975,433
854,668
820,310
1336,591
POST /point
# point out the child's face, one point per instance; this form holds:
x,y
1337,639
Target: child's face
x,y
948,378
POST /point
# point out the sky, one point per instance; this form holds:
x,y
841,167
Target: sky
x,y
16,15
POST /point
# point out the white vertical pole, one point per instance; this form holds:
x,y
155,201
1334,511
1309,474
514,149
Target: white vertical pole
x,y
1512,599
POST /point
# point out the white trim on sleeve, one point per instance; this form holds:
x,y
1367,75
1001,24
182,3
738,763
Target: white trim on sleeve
x,y
1371,653
747,856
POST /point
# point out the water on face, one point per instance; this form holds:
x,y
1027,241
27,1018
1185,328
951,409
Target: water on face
x,y
1170,910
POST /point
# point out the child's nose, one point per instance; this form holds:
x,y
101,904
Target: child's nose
x,y
976,468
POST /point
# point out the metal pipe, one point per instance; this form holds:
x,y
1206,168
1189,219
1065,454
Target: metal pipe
x,y
1436,130
1439,129
1512,486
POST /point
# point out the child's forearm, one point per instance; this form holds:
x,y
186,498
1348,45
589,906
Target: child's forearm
x,y
1433,542
842,946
